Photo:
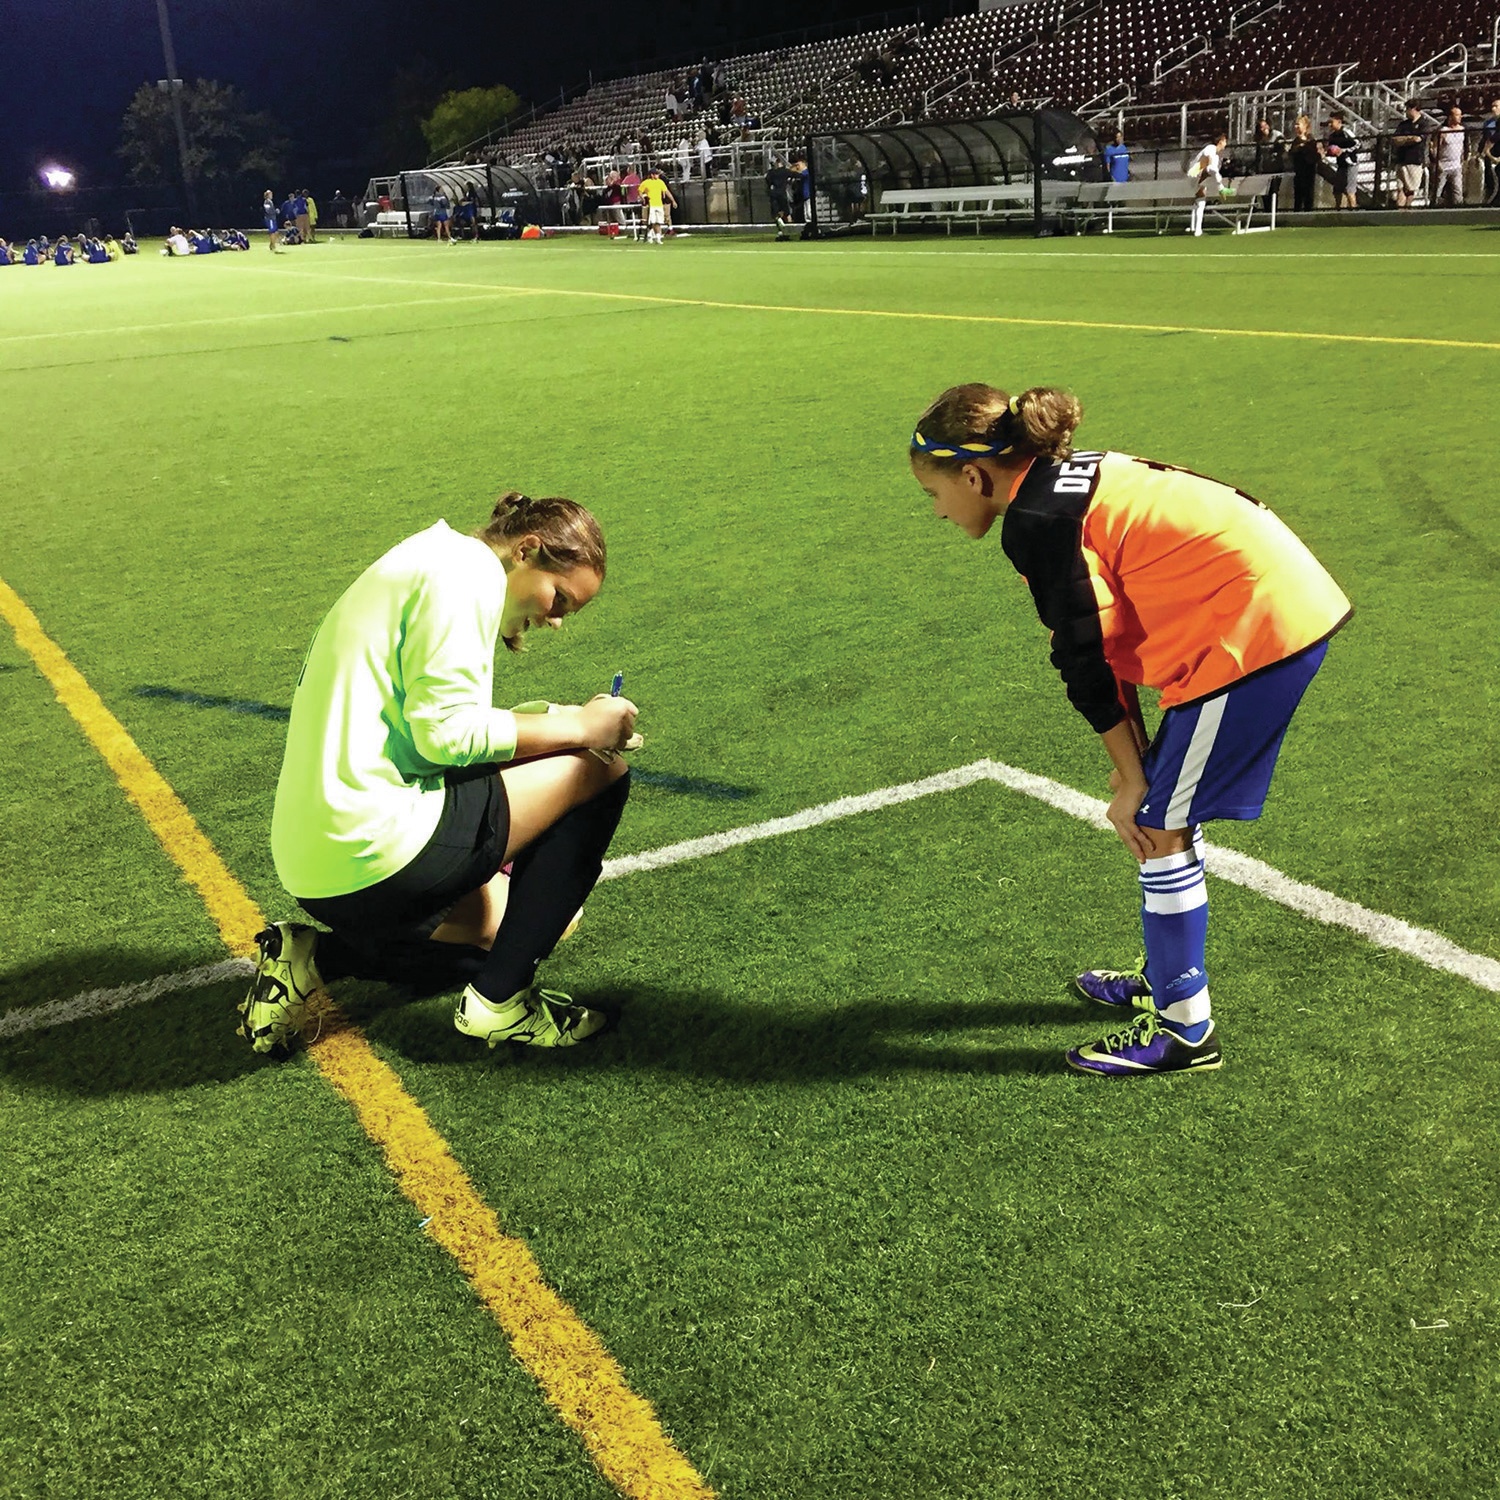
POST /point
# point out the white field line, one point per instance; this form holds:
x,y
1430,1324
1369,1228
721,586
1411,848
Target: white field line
x,y
102,1002
474,294
809,817
1430,948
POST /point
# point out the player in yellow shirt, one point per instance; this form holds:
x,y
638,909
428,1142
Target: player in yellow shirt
x,y
657,196
1146,575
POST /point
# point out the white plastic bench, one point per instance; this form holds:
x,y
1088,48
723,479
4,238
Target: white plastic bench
x,y
1169,198
976,205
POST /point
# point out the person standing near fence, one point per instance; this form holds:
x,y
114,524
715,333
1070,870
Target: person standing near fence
x,y
1343,147
1489,152
1206,169
1117,159
1409,153
656,195
1304,153
1452,152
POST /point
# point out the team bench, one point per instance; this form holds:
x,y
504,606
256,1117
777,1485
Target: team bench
x,y
974,205
1167,199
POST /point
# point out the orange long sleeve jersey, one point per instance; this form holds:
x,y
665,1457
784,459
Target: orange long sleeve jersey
x,y
1156,576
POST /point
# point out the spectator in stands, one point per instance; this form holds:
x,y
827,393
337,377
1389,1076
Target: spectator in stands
x,y
684,160
441,212
673,106
1207,168
1015,102
705,156
1304,153
1409,153
1117,159
1343,148
1489,152
1451,149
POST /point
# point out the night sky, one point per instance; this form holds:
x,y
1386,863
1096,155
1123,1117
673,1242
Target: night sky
x,y
327,68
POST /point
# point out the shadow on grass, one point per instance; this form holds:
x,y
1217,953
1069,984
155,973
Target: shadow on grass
x,y
710,1036
174,1041
188,1038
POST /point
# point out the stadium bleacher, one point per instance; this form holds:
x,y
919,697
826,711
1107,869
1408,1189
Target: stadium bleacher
x,y
1081,55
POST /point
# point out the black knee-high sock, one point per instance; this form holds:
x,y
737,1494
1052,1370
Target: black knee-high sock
x,y
413,963
549,881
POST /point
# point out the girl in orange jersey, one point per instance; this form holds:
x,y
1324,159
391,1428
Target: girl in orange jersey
x,y
1147,575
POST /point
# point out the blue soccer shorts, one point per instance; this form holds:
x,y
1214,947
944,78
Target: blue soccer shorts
x,y
1214,758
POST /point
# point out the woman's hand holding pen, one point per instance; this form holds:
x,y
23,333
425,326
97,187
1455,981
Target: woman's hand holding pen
x,y
607,722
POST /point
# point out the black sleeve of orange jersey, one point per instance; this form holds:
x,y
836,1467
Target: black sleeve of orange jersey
x,y
1043,538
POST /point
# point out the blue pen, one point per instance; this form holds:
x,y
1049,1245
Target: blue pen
x,y
614,692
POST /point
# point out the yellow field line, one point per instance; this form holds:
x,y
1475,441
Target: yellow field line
x,y
577,1375
996,320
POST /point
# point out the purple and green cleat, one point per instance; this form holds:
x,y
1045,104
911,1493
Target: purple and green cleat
x,y
1122,989
1146,1046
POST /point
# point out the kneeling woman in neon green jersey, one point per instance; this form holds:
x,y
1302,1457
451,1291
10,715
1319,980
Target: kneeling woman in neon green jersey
x,y
403,791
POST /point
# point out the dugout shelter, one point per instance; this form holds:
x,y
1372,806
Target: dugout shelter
x,y
506,197
1016,167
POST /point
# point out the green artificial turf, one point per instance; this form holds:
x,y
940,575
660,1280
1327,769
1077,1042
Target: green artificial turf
x,y
827,1194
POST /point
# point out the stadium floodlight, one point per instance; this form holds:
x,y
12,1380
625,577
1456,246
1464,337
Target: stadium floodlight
x,y
59,179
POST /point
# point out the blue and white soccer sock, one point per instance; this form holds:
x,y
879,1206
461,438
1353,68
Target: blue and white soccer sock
x,y
1174,916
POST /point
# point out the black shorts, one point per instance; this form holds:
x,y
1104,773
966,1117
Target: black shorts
x,y
465,851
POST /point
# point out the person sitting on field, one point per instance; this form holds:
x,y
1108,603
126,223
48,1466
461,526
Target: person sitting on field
x,y
63,255
112,247
1145,575
405,794
128,243
176,243
33,253
7,255
94,251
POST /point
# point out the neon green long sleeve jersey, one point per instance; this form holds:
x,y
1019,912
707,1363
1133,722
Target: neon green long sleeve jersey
x,y
396,688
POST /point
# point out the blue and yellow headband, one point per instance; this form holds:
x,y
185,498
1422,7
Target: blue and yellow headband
x,y
972,448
